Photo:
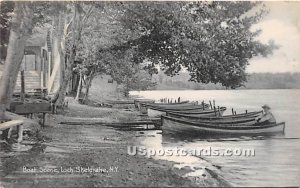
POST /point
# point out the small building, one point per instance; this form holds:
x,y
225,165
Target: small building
x,y
40,70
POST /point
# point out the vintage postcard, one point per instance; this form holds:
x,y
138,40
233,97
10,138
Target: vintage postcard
x,y
149,94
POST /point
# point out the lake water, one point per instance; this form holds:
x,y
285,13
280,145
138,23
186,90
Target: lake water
x,y
277,158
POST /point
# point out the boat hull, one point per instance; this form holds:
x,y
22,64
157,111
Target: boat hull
x,y
167,105
236,120
198,112
219,118
144,106
170,124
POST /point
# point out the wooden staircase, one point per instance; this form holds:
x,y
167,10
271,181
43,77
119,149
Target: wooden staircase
x,y
32,81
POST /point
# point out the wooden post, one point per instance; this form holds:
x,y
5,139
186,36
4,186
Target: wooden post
x,y
20,133
214,103
5,134
246,111
219,110
215,111
232,111
210,105
22,87
44,119
203,105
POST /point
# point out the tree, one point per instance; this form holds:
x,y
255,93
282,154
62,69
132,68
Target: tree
x,y
102,31
6,8
212,40
25,17
87,66
21,28
124,70
81,13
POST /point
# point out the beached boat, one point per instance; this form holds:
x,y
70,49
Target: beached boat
x,y
120,101
182,125
227,118
228,122
196,110
167,105
145,106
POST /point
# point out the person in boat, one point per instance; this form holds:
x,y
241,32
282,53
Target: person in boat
x,y
267,117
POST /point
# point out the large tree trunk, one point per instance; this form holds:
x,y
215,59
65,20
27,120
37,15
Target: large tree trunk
x,y
58,48
21,29
79,87
89,83
76,34
78,23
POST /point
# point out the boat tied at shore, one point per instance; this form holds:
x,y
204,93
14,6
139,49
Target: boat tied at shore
x,y
179,125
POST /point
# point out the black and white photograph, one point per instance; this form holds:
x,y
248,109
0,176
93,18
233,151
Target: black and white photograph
x,y
149,94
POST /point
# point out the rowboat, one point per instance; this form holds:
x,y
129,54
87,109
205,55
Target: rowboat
x,y
227,118
167,105
120,101
196,110
232,120
182,125
145,106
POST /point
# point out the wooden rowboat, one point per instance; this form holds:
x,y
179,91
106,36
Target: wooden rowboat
x,y
181,125
196,110
145,106
120,101
167,105
228,118
181,108
233,120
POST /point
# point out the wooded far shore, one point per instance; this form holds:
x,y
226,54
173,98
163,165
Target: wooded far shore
x,y
255,81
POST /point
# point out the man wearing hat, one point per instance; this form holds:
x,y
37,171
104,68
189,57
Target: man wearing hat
x,y
267,117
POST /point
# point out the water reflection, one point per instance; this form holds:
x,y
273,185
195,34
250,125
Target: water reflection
x,y
272,156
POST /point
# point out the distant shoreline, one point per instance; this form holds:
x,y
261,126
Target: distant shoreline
x,y
254,81
224,89
209,89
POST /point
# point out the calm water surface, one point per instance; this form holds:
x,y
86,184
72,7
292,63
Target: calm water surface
x,y
277,158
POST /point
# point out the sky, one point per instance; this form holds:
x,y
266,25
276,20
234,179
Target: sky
x,y
282,25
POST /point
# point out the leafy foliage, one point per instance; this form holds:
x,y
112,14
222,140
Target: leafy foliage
x,y
212,40
6,8
124,70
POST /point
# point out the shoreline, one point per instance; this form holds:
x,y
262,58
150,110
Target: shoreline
x,y
70,146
